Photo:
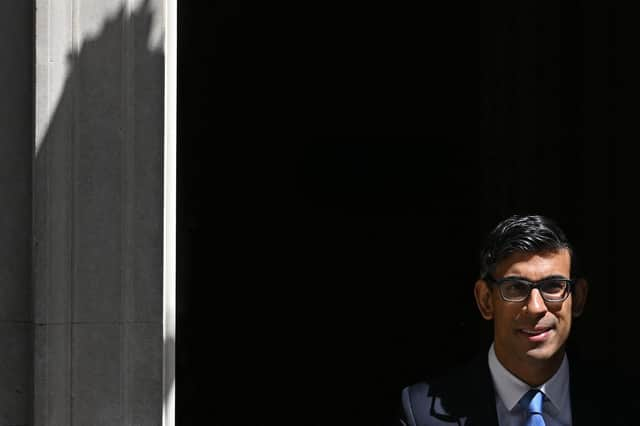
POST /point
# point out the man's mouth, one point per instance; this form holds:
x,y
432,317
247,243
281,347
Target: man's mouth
x,y
537,334
534,331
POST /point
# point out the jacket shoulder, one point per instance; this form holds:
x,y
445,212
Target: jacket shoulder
x,y
463,396
421,407
599,392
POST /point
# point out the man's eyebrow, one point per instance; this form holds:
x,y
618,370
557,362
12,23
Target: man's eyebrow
x,y
548,277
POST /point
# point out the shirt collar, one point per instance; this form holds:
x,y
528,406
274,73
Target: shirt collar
x,y
510,388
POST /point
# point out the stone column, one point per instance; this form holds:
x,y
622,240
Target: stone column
x,y
16,119
98,203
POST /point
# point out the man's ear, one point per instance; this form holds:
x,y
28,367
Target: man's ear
x,y
579,297
484,299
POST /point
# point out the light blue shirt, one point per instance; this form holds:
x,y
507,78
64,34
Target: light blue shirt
x,y
556,409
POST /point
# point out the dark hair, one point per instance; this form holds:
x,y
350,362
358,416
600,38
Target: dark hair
x,y
529,234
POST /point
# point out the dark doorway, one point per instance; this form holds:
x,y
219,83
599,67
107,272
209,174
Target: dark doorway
x,y
338,166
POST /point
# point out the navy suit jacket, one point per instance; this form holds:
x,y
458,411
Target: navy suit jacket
x,y
466,397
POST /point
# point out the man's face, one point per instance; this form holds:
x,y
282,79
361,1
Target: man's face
x,y
532,331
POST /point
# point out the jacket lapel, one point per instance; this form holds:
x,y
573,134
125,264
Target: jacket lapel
x,y
482,401
468,397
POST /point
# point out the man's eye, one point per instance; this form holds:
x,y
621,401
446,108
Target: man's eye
x,y
515,287
553,286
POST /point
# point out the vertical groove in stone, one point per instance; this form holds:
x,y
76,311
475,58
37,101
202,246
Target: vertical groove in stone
x,y
41,202
128,183
75,45
45,221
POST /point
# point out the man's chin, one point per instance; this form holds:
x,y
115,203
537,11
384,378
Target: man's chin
x,y
542,353
538,354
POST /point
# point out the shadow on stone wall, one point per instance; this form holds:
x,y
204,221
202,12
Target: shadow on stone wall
x,y
16,105
98,231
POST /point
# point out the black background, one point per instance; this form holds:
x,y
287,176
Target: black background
x,y
339,164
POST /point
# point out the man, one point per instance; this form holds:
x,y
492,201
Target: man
x,y
528,287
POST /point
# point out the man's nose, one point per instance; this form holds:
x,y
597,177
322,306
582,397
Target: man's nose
x,y
535,302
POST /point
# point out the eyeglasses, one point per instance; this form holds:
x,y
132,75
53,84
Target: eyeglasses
x,y
518,289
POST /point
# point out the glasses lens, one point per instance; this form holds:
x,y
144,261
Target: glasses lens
x,y
514,290
554,289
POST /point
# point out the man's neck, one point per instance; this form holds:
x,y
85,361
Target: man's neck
x,y
533,372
